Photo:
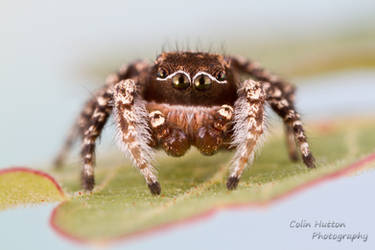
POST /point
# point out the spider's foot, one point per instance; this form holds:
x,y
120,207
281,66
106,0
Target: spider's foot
x,y
232,182
154,188
309,160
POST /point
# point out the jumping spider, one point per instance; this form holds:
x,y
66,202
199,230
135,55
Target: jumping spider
x,y
184,99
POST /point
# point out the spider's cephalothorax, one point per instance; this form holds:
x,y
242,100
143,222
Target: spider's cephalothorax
x,y
187,99
195,79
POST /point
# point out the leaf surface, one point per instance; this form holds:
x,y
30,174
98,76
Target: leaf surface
x,y
121,204
24,186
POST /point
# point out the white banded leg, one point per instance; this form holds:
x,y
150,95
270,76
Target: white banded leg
x,y
83,121
280,94
248,128
92,129
134,135
285,109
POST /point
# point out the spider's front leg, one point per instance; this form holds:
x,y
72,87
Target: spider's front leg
x,y
134,135
280,95
248,128
83,121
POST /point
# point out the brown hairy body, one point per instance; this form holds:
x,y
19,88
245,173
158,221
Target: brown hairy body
x,y
187,99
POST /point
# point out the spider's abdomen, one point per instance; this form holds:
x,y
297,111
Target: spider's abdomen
x,y
176,127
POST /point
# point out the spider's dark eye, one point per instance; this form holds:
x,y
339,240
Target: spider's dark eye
x,y
221,76
180,81
162,73
202,82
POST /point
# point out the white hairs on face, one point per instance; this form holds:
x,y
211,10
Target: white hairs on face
x,y
173,74
188,76
210,76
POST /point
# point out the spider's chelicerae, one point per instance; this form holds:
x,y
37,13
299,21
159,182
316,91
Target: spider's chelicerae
x,y
187,99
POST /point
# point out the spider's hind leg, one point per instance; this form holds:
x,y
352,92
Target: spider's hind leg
x,y
58,162
80,125
284,107
291,143
91,130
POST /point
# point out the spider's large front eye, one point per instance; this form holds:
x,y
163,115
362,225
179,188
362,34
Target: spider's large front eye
x,y
202,82
180,81
162,73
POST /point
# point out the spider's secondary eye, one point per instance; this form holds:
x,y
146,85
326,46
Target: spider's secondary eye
x,y
202,82
221,76
162,73
180,81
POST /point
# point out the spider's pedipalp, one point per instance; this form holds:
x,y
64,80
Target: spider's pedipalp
x,y
248,128
132,125
223,118
157,119
172,139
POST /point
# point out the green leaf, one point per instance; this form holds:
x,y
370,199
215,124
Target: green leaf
x,y
23,186
121,204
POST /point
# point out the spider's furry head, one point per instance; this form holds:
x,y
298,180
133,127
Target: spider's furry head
x,y
192,62
191,78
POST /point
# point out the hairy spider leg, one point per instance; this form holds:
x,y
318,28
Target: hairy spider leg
x,y
77,131
291,143
248,128
291,118
280,95
133,132
92,130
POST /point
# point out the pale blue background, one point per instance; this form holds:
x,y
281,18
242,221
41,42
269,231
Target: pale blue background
x,y
46,48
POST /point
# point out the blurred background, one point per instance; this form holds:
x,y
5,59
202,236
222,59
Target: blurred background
x,y
53,54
